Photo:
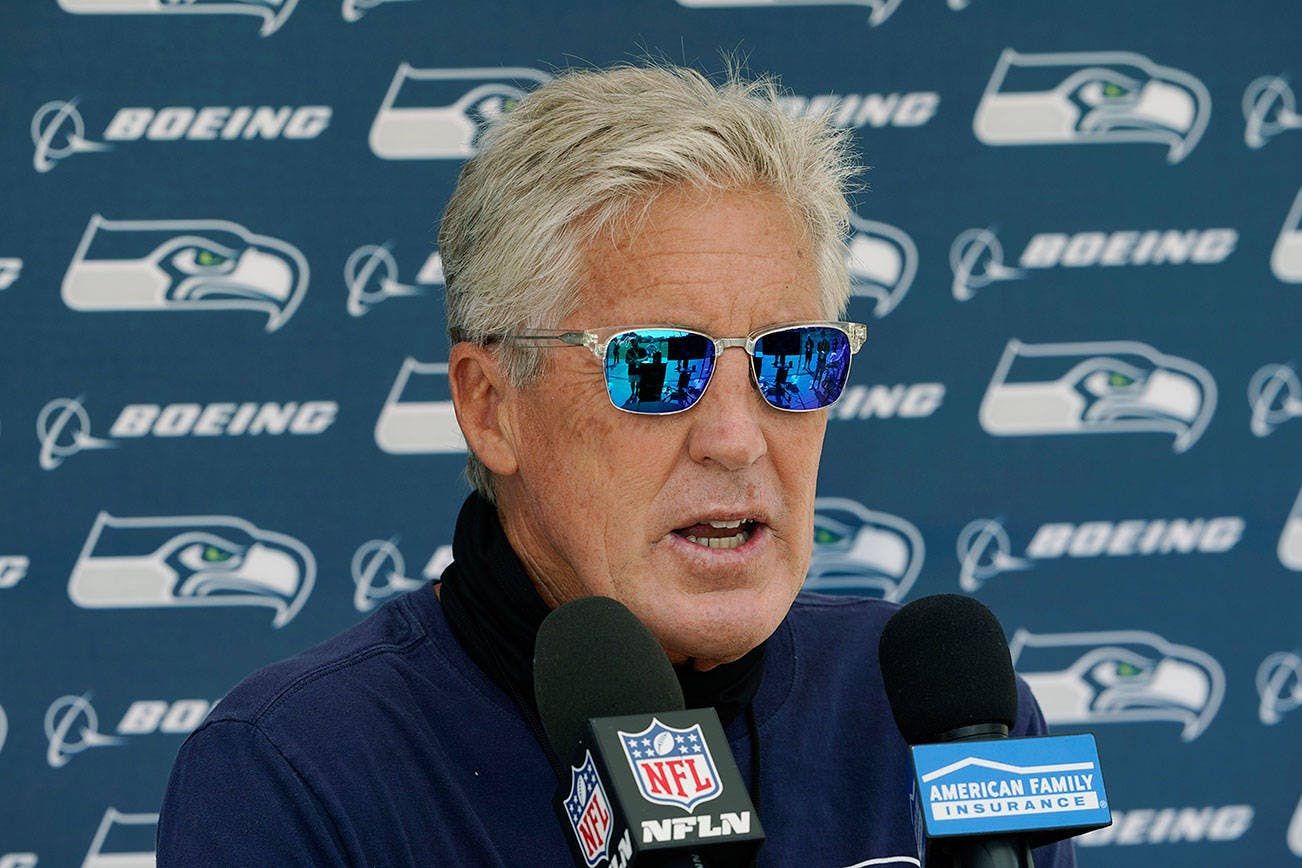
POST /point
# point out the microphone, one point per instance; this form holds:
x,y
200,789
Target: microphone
x,y
650,784
985,799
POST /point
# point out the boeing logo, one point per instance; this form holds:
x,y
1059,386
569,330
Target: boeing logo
x,y
418,416
353,10
11,268
203,265
63,430
1286,257
380,572
902,401
191,561
878,10
1213,823
1093,97
976,257
862,551
1124,676
1275,396
985,551
1102,387
63,426
1279,686
882,262
371,276
432,114
71,726
858,110
1269,108
58,130
1290,539
272,12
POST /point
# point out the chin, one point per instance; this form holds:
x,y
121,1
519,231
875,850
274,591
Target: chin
x,y
711,634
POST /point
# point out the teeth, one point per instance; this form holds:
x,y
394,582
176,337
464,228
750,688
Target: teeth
x,y
726,524
720,542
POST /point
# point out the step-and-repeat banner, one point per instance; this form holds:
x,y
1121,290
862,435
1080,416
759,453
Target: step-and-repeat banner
x,y
225,431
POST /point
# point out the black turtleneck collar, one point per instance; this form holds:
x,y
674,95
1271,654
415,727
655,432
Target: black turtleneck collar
x,y
494,611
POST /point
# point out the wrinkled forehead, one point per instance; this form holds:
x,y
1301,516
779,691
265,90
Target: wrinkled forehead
x,y
703,259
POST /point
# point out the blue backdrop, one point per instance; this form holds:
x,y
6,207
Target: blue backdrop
x,y
224,425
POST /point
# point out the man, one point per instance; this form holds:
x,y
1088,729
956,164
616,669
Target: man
x,y
610,210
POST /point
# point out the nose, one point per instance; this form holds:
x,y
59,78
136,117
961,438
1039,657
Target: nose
x,y
726,425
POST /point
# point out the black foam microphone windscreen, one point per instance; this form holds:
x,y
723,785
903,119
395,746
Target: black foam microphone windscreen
x,y
946,665
594,658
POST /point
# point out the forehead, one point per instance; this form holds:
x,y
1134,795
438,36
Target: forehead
x,y
714,260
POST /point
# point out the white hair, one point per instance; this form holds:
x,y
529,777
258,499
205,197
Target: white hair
x,y
590,150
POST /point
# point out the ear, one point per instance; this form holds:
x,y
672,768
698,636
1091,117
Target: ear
x,y
480,393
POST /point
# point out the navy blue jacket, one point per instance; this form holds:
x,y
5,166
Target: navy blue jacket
x,y
386,745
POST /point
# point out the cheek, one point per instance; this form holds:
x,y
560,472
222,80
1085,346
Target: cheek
x,y
796,446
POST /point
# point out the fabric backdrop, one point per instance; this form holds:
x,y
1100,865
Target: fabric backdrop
x,y
224,421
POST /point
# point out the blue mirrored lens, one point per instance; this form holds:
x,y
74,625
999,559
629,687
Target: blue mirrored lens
x,y
658,370
802,368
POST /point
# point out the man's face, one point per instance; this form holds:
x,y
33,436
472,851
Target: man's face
x,y
604,501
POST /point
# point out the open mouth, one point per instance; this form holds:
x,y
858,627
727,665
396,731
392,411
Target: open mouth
x,y
719,534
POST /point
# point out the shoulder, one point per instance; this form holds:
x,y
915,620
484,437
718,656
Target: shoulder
x,y
372,648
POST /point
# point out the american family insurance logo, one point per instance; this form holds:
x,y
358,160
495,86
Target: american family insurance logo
x,y
1122,676
1269,108
371,276
190,265
191,561
442,114
1100,387
1091,97
418,417
862,551
976,258
272,12
59,131
985,551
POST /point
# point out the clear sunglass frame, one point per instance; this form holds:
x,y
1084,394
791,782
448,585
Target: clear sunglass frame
x,y
598,340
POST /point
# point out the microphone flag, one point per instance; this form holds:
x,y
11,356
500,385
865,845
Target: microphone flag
x,y
647,787
1046,787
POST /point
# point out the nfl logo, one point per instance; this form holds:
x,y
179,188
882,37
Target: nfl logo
x,y
589,812
672,766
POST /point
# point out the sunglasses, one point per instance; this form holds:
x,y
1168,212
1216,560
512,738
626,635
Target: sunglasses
x,y
658,370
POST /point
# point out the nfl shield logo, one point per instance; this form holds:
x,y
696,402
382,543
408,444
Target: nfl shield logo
x,y
672,766
589,812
